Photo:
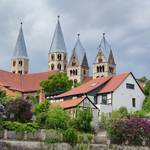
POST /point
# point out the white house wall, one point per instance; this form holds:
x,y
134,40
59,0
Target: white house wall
x,y
123,96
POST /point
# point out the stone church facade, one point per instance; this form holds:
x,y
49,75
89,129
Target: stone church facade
x,y
76,66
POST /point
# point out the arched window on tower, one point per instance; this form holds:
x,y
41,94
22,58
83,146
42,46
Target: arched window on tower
x,y
52,66
98,69
14,63
70,72
59,56
76,72
59,66
20,62
103,69
52,57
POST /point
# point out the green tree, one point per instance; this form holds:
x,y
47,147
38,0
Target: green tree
x,y
146,104
143,79
83,119
147,88
41,107
56,84
57,118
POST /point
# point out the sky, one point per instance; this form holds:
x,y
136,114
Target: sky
x,y
126,24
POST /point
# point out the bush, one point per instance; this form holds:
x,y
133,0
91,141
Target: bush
x,y
85,137
133,130
41,119
41,107
57,118
18,110
20,127
71,136
83,119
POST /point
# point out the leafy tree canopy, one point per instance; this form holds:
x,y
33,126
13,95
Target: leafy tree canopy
x,y
143,79
56,84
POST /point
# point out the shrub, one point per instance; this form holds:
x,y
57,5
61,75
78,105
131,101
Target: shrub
x,y
41,119
83,119
41,107
85,137
57,118
18,110
71,136
132,129
20,127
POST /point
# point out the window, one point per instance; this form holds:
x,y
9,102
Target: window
x,y
84,72
59,56
111,69
73,63
107,99
52,66
14,63
133,102
104,99
20,72
59,66
52,57
129,86
100,60
13,72
75,81
95,99
20,63
70,72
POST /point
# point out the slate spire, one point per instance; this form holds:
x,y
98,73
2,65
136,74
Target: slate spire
x,y
111,59
20,47
79,50
58,43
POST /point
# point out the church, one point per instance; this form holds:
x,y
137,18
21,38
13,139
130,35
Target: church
x,y
104,89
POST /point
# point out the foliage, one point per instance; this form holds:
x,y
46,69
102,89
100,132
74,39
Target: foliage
x,y
20,127
85,137
41,107
56,84
71,136
83,119
57,118
143,79
131,129
2,94
147,88
18,110
41,119
146,104
2,111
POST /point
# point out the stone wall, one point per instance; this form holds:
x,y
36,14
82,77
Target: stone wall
x,y
40,135
26,145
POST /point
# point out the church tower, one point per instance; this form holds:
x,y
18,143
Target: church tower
x,y
78,67
19,60
57,56
104,64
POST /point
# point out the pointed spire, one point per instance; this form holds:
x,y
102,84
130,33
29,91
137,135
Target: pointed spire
x,y
111,58
20,48
79,49
104,46
58,43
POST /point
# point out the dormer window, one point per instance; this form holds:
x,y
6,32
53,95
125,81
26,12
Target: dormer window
x,y
73,63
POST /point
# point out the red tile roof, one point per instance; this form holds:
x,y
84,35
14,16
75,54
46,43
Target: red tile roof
x,y
114,83
86,87
86,79
68,103
23,83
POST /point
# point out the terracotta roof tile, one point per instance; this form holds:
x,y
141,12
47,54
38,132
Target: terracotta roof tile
x,y
114,83
23,83
86,87
68,103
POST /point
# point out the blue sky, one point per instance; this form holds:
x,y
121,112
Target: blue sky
x,y
126,24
